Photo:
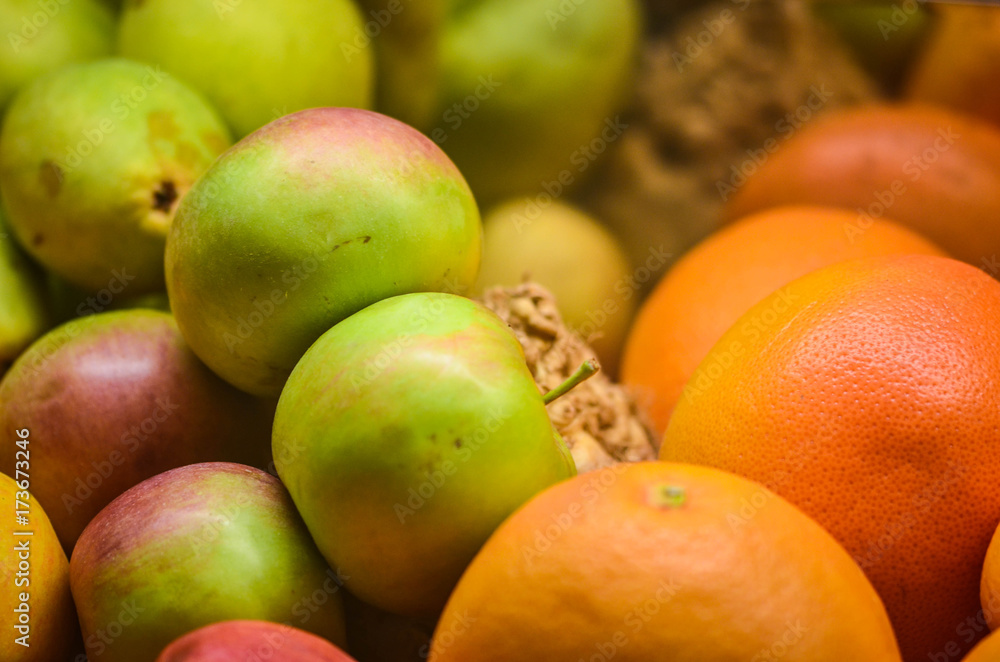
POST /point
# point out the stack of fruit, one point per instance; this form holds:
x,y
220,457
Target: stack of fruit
x,y
271,388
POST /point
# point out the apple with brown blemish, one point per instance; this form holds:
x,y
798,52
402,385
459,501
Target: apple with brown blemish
x,y
93,161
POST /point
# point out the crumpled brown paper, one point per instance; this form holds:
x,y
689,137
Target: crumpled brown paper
x,y
598,419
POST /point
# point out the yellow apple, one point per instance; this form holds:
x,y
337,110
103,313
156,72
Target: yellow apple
x,y
572,255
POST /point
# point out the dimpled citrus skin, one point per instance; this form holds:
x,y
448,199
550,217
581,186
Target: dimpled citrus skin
x,y
710,287
868,394
932,170
657,561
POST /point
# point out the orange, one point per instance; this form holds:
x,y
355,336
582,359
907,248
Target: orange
x,y
705,292
960,64
33,563
988,650
933,170
654,562
868,394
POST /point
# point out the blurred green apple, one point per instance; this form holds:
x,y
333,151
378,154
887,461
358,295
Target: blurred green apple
x,y
93,161
23,315
258,60
45,35
406,37
530,89
574,257
303,223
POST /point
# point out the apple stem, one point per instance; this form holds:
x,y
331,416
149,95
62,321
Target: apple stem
x,y
582,374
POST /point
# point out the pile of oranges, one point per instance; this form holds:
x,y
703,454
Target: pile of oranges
x,y
825,372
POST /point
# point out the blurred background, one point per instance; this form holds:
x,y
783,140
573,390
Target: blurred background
x,y
602,138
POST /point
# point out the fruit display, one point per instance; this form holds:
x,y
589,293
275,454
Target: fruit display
x,y
495,330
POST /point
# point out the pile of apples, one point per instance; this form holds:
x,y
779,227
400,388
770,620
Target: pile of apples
x,y
241,370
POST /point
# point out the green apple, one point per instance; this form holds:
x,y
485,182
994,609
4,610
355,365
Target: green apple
x,y
255,61
405,435
574,257
303,223
194,546
530,89
93,160
66,301
23,315
406,37
45,35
